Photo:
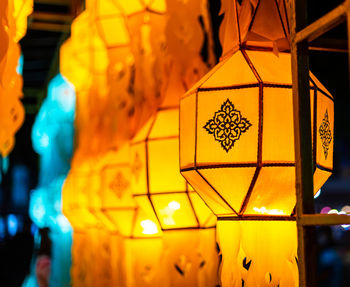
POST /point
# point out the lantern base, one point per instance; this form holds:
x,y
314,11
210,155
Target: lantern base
x,y
258,253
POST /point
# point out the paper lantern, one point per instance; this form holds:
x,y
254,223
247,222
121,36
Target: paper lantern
x,y
22,9
160,190
13,17
75,199
237,144
12,111
117,201
156,182
237,137
140,245
258,253
71,69
134,87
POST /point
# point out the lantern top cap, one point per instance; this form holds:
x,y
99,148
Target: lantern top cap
x,y
261,24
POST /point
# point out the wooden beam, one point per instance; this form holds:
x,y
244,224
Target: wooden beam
x,y
329,45
51,17
52,27
324,219
348,24
54,2
303,144
323,24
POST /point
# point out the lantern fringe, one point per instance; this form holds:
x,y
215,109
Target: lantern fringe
x,y
258,253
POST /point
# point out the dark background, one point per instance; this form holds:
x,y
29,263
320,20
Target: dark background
x,y
40,51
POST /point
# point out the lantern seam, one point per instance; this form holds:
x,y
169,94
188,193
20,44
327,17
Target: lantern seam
x,y
286,13
162,193
263,49
204,201
196,132
191,204
314,130
321,167
238,165
237,22
280,16
259,152
233,87
147,175
259,217
211,186
187,228
325,94
250,190
134,219
155,139
253,18
320,90
115,208
251,66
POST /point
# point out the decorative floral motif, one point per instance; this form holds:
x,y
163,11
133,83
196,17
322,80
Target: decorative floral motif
x,y
227,125
119,184
325,134
136,166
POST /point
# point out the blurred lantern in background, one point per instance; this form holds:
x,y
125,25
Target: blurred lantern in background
x,y
13,18
118,101
136,64
140,245
157,184
237,140
52,139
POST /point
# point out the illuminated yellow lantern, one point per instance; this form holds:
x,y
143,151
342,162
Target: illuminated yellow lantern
x,y
157,185
237,144
237,137
140,246
22,9
75,198
12,14
156,182
77,74
134,87
4,38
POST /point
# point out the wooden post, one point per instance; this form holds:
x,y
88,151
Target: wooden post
x,y
303,145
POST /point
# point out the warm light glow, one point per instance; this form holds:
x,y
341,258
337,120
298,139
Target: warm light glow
x,y
317,193
346,209
12,224
174,205
63,223
149,227
325,210
333,211
264,210
342,212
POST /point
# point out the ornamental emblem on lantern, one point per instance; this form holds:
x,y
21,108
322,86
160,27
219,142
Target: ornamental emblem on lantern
x,y
227,125
119,184
325,134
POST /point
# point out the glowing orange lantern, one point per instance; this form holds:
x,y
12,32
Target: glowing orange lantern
x,y
134,88
75,198
13,15
156,182
140,243
237,144
236,129
22,9
117,202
